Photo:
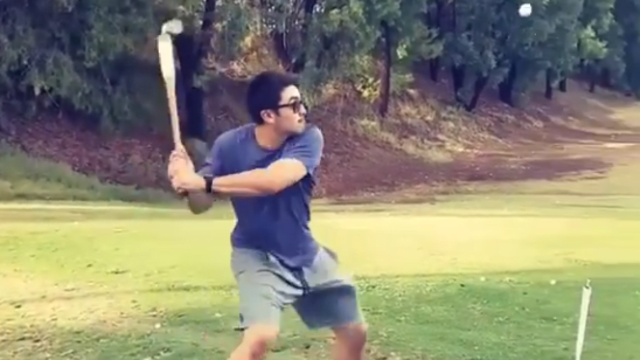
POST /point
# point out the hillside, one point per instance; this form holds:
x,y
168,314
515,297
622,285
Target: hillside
x,y
424,141
388,81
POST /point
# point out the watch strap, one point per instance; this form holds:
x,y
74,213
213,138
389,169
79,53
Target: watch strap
x,y
208,184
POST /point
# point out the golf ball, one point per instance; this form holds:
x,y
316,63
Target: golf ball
x,y
525,10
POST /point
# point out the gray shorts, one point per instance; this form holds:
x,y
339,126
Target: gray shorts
x,y
321,296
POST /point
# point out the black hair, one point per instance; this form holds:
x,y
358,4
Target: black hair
x,y
265,90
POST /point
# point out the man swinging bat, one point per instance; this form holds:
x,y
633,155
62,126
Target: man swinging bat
x,y
267,169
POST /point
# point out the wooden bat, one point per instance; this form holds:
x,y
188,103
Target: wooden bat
x,y
168,69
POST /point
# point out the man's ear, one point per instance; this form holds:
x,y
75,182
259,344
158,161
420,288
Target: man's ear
x,y
268,116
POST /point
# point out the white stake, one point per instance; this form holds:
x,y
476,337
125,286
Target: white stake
x,y
584,314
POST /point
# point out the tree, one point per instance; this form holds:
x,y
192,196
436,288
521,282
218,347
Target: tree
x,y
95,57
627,13
78,56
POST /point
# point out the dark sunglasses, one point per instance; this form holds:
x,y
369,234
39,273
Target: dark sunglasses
x,y
295,106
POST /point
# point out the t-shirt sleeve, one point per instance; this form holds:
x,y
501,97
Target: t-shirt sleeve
x,y
307,149
213,162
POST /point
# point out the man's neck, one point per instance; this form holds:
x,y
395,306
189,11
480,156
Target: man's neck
x,y
268,138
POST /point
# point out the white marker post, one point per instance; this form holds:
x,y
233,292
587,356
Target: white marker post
x,y
584,314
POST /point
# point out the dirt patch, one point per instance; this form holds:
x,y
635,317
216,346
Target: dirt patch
x,y
132,160
388,176
53,306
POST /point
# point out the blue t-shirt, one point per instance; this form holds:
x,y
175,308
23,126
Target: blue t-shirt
x,y
278,223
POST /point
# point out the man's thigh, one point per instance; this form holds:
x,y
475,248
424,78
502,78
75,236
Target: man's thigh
x,y
330,299
264,287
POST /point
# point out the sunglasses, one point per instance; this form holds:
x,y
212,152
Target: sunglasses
x,y
295,106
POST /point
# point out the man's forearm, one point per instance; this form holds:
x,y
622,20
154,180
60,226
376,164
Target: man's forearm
x,y
245,184
252,183
248,183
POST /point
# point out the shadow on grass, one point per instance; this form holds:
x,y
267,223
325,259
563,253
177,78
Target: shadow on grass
x,y
503,316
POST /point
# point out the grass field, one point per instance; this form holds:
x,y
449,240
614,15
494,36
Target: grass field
x,y
470,278
491,273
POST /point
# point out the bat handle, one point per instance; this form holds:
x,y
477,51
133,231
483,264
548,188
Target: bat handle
x,y
177,142
175,124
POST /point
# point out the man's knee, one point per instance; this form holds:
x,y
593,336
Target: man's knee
x,y
352,335
257,339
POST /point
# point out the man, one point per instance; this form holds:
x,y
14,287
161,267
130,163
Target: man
x,y
267,169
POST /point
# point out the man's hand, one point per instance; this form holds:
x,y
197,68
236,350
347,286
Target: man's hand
x,y
179,162
181,173
184,183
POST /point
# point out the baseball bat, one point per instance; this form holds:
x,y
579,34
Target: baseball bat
x,y
168,69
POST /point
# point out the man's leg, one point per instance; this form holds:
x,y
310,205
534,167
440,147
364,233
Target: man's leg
x,y
350,341
331,302
256,341
264,289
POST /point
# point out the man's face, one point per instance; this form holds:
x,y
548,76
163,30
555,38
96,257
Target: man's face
x,y
289,118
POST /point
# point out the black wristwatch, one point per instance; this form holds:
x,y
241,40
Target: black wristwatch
x,y
208,182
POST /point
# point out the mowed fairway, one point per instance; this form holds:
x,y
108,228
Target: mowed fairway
x,y
465,279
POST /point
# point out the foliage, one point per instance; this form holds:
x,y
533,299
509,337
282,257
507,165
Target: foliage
x,y
97,57
79,54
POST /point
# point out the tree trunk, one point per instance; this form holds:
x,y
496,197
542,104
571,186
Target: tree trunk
x,y
190,98
192,51
562,85
593,77
385,84
605,78
280,48
548,91
321,58
435,22
434,68
457,71
458,75
295,64
206,32
478,86
184,45
301,61
507,85
592,84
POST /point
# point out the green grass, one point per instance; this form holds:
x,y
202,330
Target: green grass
x,y
492,273
466,279
24,178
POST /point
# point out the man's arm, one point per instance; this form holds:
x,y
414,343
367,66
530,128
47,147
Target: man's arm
x,y
299,159
199,201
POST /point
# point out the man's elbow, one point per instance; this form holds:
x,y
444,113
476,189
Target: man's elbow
x,y
199,202
197,210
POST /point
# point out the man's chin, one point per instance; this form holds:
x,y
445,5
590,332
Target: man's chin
x,y
299,129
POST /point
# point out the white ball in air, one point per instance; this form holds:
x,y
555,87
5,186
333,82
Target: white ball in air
x,y
525,10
